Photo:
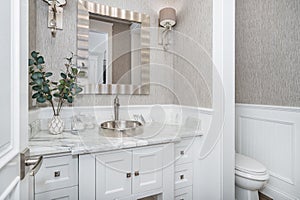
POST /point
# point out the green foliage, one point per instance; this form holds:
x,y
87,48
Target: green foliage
x,y
46,90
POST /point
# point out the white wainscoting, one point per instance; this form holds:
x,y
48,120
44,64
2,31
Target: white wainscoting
x,y
271,135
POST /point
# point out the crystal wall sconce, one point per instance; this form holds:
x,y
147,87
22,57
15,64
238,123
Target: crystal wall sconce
x,y
167,19
55,15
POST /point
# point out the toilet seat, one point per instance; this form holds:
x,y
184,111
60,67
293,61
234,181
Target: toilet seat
x,y
258,177
250,168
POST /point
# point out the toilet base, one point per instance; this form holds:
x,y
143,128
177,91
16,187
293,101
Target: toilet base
x,y
243,194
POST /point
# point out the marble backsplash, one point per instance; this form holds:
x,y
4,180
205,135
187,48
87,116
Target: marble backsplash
x,y
79,118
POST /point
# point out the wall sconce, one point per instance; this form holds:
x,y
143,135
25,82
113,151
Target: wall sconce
x,y
55,15
167,19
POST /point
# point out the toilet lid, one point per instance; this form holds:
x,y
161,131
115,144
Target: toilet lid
x,y
247,164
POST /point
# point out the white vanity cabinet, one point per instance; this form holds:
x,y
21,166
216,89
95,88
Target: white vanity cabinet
x,y
57,178
127,174
185,175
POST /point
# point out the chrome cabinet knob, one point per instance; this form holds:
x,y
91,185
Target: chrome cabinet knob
x,y
57,174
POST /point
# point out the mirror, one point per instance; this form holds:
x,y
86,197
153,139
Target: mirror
x,y
113,50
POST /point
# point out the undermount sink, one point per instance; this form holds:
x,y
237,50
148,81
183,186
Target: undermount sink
x,y
120,128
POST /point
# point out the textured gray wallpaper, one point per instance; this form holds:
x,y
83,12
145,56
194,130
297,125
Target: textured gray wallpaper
x,y
194,20
193,45
55,49
268,52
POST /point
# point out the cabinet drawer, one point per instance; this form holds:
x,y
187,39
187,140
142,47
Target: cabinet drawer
x,y
65,193
184,193
56,173
184,151
183,175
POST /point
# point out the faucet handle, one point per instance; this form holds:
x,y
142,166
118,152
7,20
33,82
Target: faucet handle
x,y
136,117
116,100
139,117
142,119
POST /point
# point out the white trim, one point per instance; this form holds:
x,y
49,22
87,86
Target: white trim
x,y
274,192
13,148
224,60
10,188
16,72
268,107
9,164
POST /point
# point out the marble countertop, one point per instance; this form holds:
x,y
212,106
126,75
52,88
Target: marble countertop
x,y
91,140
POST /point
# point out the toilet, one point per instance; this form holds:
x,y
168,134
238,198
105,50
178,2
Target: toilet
x,y
250,176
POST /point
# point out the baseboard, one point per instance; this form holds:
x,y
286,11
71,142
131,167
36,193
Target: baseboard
x,y
263,196
276,194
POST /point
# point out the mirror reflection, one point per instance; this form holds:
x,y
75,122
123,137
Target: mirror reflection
x,y
109,38
113,45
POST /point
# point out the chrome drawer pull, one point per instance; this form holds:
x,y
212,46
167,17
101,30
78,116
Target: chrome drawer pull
x,y
57,174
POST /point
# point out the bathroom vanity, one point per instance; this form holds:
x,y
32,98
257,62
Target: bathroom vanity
x,y
88,165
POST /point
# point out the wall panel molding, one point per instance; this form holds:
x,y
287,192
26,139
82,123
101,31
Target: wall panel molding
x,y
270,134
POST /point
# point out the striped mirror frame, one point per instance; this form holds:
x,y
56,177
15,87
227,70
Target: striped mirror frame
x,y
85,8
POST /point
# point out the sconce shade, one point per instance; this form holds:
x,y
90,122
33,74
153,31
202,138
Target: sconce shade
x,y
167,17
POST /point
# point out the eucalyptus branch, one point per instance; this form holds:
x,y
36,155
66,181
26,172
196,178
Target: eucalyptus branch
x,y
45,90
52,105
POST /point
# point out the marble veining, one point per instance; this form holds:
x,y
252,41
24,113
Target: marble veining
x,y
164,124
91,140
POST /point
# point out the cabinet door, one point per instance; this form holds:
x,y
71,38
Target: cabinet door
x,y
113,175
147,169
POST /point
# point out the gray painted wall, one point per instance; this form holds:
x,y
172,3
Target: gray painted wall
x,y
268,52
167,72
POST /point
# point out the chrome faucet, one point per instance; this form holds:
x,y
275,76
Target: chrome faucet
x,y
116,108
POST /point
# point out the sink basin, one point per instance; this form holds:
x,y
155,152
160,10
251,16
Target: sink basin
x,y
121,128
